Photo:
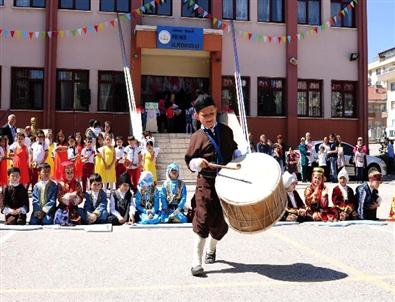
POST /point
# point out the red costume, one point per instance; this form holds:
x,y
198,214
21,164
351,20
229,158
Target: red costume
x,y
21,161
344,201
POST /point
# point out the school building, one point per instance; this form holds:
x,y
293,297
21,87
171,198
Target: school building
x,y
302,70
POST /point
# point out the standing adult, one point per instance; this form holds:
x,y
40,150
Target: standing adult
x,y
9,129
263,146
304,161
360,151
310,155
327,148
213,142
341,160
391,157
332,155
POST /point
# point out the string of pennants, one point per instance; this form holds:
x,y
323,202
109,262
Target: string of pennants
x,y
218,23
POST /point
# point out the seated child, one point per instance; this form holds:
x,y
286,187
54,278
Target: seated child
x,y
343,197
295,210
122,207
367,197
70,195
16,200
147,199
316,197
44,196
173,196
95,206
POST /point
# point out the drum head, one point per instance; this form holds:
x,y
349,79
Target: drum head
x,y
257,178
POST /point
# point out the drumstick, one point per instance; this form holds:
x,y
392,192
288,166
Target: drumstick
x,y
234,178
237,167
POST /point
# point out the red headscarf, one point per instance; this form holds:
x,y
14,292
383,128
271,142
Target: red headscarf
x,y
69,184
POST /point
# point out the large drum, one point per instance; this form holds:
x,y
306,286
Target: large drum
x,y
252,197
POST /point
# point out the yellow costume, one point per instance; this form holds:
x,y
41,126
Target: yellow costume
x,y
149,164
107,174
49,159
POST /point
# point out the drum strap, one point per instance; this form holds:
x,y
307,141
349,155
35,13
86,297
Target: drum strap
x,y
213,141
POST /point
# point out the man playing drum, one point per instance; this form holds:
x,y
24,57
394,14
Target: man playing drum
x,y
213,143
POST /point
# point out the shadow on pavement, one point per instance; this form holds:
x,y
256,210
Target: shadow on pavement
x,y
297,272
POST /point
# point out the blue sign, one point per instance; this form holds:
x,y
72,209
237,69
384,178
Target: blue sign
x,y
184,38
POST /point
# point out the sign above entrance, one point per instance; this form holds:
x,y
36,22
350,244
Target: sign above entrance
x,y
183,38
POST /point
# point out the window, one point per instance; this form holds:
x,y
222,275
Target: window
x,y
75,4
309,98
309,12
271,10
28,3
271,96
27,88
163,9
112,91
229,96
343,99
392,86
187,8
378,71
122,6
235,9
1,2
345,21
73,90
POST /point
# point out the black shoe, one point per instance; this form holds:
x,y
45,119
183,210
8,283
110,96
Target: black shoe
x,y
210,258
197,271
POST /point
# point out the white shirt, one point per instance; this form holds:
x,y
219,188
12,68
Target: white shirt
x,y
132,155
112,210
90,153
95,196
38,151
119,154
322,159
71,153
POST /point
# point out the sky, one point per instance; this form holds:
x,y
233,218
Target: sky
x,y
381,26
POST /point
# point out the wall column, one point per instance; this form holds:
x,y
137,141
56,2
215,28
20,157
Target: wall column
x,y
292,72
135,54
49,106
215,61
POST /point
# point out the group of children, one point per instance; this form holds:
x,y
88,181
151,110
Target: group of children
x,y
345,204
65,202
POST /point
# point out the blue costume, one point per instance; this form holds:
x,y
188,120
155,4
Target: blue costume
x,y
44,200
173,197
99,208
147,199
364,197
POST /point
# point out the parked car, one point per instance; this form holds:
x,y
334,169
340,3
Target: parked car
x,y
372,162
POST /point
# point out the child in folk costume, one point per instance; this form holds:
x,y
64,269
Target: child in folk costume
x,y
95,206
44,196
122,206
292,160
173,196
51,147
72,153
70,195
37,155
343,197
79,145
106,158
147,199
133,162
119,157
149,159
296,209
20,160
60,155
212,143
367,197
88,162
3,162
316,196
15,199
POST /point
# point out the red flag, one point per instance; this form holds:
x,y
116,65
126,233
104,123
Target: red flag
x,y
279,39
340,14
31,34
157,2
12,33
85,29
316,30
96,27
209,16
1,31
224,26
55,33
134,14
249,36
270,39
112,22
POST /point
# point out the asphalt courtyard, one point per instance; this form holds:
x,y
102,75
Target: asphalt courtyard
x,y
293,262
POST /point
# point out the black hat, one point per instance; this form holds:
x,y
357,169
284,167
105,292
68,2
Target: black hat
x,y
124,178
204,102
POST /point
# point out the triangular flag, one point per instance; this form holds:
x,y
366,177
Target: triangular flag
x,y
79,30
270,39
356,1
54,34
1,31
12,33
128,16
112,22
5,33
316,29
106,24
101,26
142,9
37,34
49,34
205,14
85,29
249,36
157,2
298,36
139,12
42,34
215,20
134,14
289,39
30,34
122,18
152,3
279,39
302,36
323,26
18,34
195,7
219,24
96,27
24,34
284,39
61,34
91,29
343,12
74,32
352,4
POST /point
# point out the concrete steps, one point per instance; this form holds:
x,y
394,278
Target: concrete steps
x,y
172,149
